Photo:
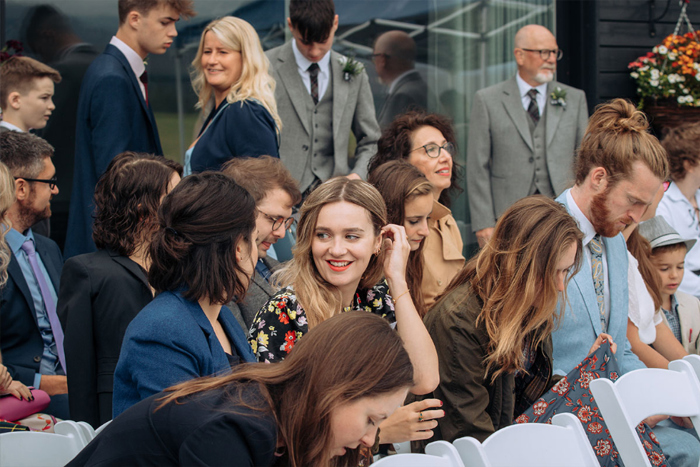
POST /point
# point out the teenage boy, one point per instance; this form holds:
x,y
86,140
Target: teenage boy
x,y
320,103
114,114
681,310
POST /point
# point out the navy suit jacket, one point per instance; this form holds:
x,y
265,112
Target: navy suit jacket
x,y
113,117
20,340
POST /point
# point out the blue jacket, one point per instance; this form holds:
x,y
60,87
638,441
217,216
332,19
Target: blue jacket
x,y
580,323
113,117
171,341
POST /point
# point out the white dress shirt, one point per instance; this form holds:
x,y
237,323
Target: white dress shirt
x,y
11,127
134,60
324,73
525,88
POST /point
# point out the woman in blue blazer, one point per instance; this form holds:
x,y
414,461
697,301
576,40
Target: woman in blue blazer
x,y
202,256
231,70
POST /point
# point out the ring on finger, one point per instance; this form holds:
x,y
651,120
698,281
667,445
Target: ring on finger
x,y
420,416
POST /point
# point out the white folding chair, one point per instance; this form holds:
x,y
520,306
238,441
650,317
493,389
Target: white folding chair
x,y
76,430
694,361
102,427
640,394
445,450
88,430
402,448
37,449
531,444
412,460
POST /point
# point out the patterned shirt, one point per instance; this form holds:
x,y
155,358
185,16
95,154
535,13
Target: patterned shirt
x,y
282,320
672,317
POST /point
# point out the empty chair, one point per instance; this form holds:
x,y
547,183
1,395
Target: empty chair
x,y
531,444
102,427
414,460
445,450
694,361
31,448
640,394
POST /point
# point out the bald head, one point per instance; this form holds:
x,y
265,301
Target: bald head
x,y
532,68
398,51
529,36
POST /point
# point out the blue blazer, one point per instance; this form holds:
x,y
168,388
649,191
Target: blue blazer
x,y
168,342
113,117
20,340
580,323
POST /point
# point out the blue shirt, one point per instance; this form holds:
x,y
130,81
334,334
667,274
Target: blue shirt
x,y
262,269
49,360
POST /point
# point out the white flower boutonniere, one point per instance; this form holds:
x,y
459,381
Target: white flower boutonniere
x,y
558,97
351,67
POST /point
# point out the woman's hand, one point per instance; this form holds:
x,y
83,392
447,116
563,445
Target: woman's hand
x,y
601,338
5,378
395,243
20,391
411,422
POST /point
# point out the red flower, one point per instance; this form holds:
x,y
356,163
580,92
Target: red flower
x,y
561,387
602,447
522,419
585,414
539,407
585,379
595,428
289,340
613,375
652,436
656,458
284,317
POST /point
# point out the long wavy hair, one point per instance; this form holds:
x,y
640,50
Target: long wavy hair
x,y
349,357
514,275
399,182
641,250
7,198
320,299
255,81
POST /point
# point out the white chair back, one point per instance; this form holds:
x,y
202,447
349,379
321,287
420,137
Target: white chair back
x,y
531,444
413,460
32,449
445,450
76,430
694,361
640,394
102,427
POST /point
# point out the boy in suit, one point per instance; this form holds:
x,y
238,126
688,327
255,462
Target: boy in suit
x,y
319,103
114,114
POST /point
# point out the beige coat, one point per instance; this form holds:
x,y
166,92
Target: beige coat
x,y
689,316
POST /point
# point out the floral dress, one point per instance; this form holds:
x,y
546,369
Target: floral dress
x,y
282,320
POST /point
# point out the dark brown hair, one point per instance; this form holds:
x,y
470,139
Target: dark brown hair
x,y
312,18
24,153
201,222
682,144
640,248
396,141
348,357
184,7
127,197
260,175
669,248
617,136
17,74
399,182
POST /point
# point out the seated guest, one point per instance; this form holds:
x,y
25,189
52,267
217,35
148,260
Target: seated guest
x,y
201,255
427,142
343,246
275,193
231,70
319,407
31,337
101,292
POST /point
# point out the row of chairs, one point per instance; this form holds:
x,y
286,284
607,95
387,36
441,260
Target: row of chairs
x,y
624,404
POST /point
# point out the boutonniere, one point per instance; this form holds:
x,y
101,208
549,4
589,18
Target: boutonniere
x,y
351,67
558,97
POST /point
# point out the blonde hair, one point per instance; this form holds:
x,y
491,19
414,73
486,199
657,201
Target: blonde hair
x,y
7,198
320,299
255,81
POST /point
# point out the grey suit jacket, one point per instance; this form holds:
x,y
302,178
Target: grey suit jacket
x,y
500,164
410,93
259,293
353,110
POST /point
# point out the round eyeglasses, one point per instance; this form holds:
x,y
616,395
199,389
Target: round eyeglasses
x,y
278,222
545,53
433,150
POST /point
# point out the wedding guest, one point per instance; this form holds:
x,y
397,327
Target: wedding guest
x,y
231,70
201,255
344,246
320,407
427,142
102,292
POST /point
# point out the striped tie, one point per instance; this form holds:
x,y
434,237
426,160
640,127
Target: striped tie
x,y
533,109
596,248
313,73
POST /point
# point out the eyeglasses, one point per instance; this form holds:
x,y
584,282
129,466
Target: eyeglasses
x,y
278,222
545,53
433,150
666,184
51,181
379,55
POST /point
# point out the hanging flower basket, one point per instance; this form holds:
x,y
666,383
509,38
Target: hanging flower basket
x,y
666,113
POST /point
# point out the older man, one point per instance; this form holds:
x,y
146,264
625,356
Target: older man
x,y
523,133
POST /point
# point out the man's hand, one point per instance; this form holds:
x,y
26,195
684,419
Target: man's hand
x,y
484,235
54,384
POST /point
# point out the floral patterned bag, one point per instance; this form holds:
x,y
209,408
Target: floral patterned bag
x,y
572,394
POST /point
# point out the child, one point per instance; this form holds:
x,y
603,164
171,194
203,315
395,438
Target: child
x,y
681,311
26,89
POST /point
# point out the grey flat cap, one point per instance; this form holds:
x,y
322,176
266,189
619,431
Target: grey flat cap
x,y
660,233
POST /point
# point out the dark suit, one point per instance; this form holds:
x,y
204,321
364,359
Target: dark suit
x,y
100,294
259,293
409,93
113,117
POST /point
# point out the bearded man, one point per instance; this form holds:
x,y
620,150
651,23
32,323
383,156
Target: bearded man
x,y
523,133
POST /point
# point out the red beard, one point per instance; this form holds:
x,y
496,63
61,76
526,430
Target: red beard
x,y
600,216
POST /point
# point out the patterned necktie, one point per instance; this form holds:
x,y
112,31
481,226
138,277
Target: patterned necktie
x,y
144,80
313,72
596,248
49,305
533,109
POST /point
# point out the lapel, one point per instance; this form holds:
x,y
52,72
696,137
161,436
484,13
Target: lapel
x,y
514,107
15,272
617,283
340,92
260,281
287,71
238,337
218,357
553,112
54,272
133,268
584,283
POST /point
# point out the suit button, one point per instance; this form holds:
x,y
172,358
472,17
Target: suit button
x,y
316,111
315,155
305,148
315,141
317,125
37,358
531,160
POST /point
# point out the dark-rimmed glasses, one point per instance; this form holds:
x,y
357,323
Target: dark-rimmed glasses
x,y
545,53
278,222
51,181
433,150
374,56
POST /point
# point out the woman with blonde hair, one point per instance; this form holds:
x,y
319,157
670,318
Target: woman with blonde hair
x,y
231,79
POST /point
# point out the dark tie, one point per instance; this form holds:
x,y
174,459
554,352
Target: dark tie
x,y
144,80
313,72
533,109
49,305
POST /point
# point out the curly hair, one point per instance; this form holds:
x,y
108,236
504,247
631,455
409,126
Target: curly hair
x,y
127,197
396,140
681,145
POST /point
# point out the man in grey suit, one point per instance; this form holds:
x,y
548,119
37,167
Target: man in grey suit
x,y
523,133
319,103
394,59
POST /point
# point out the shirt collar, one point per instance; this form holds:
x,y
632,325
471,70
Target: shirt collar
x,y
11,127
16,239
439,211
583,223
398,79
674,194
303,63
135,61
524,87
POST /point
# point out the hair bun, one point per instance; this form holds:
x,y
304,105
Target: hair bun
x,y
618,116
